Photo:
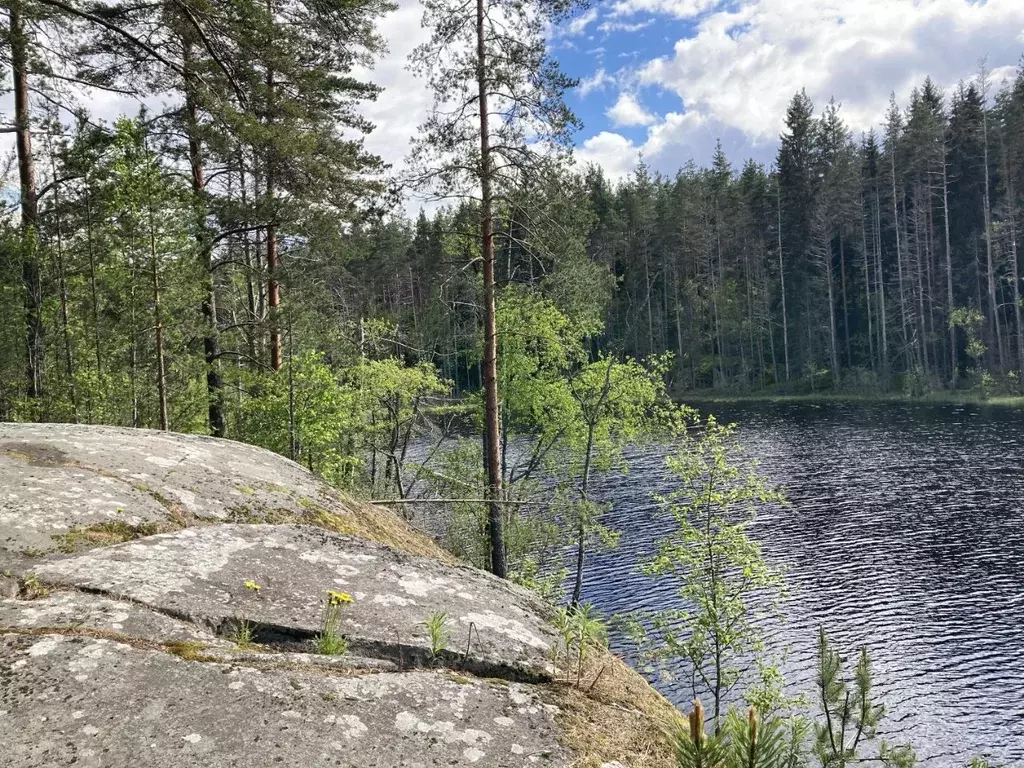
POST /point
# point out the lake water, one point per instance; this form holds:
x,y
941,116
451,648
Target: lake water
x,y
905,532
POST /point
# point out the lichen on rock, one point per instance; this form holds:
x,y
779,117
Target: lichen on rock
x,y
165,598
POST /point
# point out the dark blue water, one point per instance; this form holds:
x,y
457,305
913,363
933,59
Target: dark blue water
x,y
905,532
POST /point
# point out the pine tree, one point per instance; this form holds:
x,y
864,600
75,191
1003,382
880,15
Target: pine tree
x,y
497,109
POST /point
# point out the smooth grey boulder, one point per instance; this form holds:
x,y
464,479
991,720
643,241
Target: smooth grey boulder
x,y
57,477
201,575
72,611
131,560
86,702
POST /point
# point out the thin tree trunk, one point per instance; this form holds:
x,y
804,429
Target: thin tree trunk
x,y
69,362
880,274
720,287
492,441
846,310
161,372
826,249
750,305
931,269
273,288
782,286
34,331
93,288
987,202
949,276
921,257
211,335
592,419
899,255
867,285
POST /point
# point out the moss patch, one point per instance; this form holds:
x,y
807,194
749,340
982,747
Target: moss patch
x,y
107,533
189,650
366,521
35,454
385,527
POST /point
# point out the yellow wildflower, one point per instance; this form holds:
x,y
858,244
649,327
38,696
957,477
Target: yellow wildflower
x,y
337,598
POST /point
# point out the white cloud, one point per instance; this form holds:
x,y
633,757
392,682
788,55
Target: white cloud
x,y
596,82
669,145
628,111
680,9
744,64
614,153
406,101
609,27
579,24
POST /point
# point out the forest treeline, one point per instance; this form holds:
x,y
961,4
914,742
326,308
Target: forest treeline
x,y
885,262
231,260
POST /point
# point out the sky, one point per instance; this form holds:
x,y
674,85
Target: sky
x,y
668,78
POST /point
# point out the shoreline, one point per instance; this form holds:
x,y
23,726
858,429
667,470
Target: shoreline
x,y
936,398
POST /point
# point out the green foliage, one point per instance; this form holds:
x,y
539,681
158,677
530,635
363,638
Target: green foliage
x,y
574,415
306,407
391,399
340,422
241,633
723,580
970,321
851,716
579,630
534,540
438,634
742,742
329,641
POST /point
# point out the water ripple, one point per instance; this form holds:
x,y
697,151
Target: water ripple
x,y
905,532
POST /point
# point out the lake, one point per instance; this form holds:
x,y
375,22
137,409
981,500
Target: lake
x,y
905,532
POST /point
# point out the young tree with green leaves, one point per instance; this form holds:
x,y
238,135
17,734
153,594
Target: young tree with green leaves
x,y
725,584
614,404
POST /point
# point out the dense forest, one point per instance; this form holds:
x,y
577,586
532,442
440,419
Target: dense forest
x,y
862,265
201,264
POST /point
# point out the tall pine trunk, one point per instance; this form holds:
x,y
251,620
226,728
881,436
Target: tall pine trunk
x,y
211,336
899,255
867,284
30,274
922,337
492,437
989,265
880,274
782,284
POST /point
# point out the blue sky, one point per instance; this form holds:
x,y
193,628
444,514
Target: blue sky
x,y
594,55
667,78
